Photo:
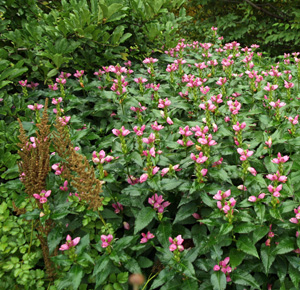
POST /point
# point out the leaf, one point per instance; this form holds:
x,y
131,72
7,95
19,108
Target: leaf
x,y
185,211
218,280
285,246
73,278
244,279
236,257
164,231
101,264
83,244
244,228
144,218
144,262
164,276
246,245
225,229
267,257
259,233
170,184
54,238
207,200
122,277
294,275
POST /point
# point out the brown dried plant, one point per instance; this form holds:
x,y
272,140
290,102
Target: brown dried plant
x,y
35,167
77,168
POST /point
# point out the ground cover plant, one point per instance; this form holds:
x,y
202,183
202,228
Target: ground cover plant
x,y
177,172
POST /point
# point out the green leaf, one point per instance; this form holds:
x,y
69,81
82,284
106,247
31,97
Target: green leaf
x,y
225,229
122,277
83,244
144,218
164,276
244,279
294,275
244,228
285,246
218,280
170,184
259,233
236,257
246,245
73,278
267,257
54,238
163,233
185,211
144,262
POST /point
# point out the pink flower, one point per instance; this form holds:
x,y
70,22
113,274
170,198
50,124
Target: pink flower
x,y
146,237
65,186
23,83
35,107
118,207
124,132
132,180
106,240
42,197
176,243
269,142
156,127
70,243
277,104
252,171
294,121
169,121
158,202
143,177
280,159
217,268
79,74
252,198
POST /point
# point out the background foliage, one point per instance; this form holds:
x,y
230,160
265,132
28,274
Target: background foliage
x,y
272,24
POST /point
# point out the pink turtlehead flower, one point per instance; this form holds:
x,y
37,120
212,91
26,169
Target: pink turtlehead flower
x,y
78,73
65,186
70,243
245,154
234,107
208,106
61,81
23,83
56,101
277,104
207,140
252,171
149,140
252,198
118,207
158,203
204,90
293,121
176,243
139,131
150,60
53,87
124,132
217,99
295,220
185,131
143,177
35,107
42,197
146,237
277,176
269,142
288,85
280,159
57,168
132,180
140,80
222,195
169,121
106,240
219,162
270,87
275,190
156,127
64,120
238,127
221,81
164,171
199,158
164,103
242,187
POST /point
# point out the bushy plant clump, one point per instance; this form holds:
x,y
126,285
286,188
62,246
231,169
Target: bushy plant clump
x,y
183,169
